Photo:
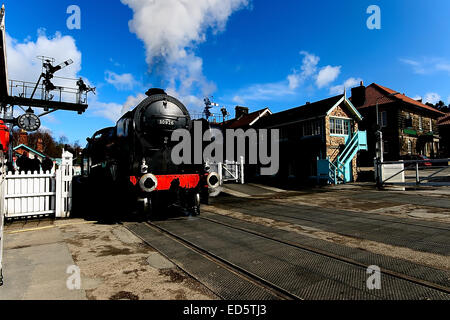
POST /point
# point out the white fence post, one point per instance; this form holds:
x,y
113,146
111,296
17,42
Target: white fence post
x,y
58,198
66,185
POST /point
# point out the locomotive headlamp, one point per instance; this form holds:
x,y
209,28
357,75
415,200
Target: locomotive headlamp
x,y
148,183
213,180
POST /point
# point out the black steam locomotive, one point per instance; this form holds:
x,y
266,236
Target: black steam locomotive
x,y
131,163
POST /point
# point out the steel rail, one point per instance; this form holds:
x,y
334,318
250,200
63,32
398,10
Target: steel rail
x,y
334,256
245,274
349,213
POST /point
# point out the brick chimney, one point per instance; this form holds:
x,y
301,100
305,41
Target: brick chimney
x,y
23,137
241,111
40,145
359,95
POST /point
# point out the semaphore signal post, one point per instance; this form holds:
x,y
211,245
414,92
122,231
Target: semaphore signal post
x,y
43,94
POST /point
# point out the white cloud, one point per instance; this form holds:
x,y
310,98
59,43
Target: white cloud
x,y
271,90
327,75
348,84
416,65
239,100
23,64
309,68
124,81
132,102
172,29
111,111
288,87
263,92
193,103
432,97
427,65
443,66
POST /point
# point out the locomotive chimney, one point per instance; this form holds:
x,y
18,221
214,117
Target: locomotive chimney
x,y
241,111
155,91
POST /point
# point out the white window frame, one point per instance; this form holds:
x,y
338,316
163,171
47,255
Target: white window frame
x,y
340,126
420,123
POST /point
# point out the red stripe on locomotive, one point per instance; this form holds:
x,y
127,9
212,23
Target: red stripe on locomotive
x,y
187,181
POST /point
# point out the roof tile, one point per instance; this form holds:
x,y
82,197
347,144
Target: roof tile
x,y
381,94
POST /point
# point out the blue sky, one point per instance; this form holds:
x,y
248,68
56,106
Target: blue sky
x,y
257,53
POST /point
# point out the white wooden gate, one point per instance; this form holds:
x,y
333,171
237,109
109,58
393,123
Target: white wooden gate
x,y
230,171
40,194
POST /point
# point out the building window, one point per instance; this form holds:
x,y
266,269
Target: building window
x,y
340,126
420,124
431,125
383,119
408,121
312,128
409,147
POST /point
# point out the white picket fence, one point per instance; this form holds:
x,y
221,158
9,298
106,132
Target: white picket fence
x,y
28,195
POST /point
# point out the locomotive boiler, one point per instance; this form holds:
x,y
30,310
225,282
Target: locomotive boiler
x,y
132,164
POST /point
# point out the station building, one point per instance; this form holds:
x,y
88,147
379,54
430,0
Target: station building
x,y
319,142
444,131
409,127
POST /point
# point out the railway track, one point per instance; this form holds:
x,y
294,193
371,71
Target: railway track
x,y
429,225
298,245
426,237
245,274
286,269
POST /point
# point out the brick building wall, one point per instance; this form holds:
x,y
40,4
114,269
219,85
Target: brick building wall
x,y
334,144
409,132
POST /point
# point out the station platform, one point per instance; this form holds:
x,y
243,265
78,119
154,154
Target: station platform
x,y
35,264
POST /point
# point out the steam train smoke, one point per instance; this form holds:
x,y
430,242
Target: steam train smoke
x,y
171,30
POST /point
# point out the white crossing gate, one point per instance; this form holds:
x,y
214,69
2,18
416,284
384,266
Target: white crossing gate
x,y
40,194
230,171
